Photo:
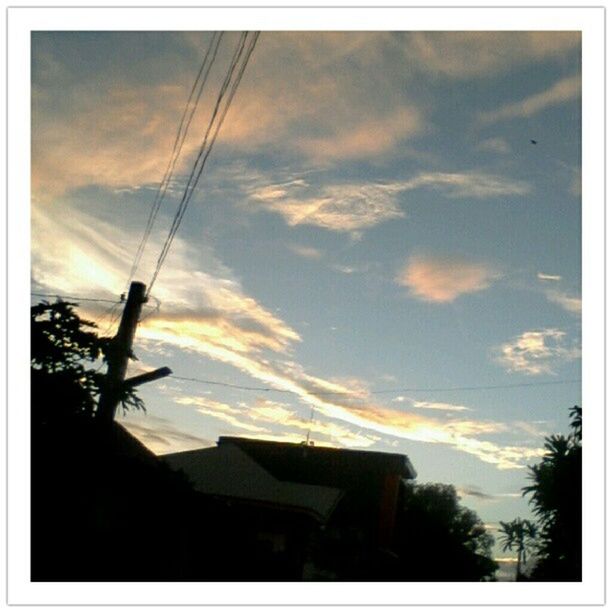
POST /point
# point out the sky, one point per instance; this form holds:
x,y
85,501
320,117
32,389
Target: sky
x,y
384,247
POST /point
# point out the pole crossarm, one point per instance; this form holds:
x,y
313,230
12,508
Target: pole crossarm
x,y
134,381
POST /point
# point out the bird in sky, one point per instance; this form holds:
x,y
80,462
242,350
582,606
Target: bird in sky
x,y
533,141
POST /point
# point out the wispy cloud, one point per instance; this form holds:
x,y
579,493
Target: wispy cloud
x,y
463,55
280,414
474,491
205,311
203,305
444,279
537,352
440,406
571,303
159,435
494,145
567,301
548,277
468,184
358,206
309,104
305,251
340,208
90,145
430,405
368,139
83,134
562,91
352,405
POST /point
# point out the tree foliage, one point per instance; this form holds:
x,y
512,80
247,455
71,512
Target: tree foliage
x,y
64,350
556,498
440,539
520,535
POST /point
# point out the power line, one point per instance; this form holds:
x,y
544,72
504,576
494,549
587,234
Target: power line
x,y
72,297
201,157
108,312
179,140
242,55
322,393
378,391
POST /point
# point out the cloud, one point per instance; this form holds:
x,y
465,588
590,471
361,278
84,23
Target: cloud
x,y
562,91
462,55
440,406
74,257
536,352
468,184
350,269
444,279
250,417
532,428
206,312
204,306
571,303
494,145
474,491
548,277
116,127
339,208
305,251
370,138
159,435
351,404
280,414
106,128
219,410
354,207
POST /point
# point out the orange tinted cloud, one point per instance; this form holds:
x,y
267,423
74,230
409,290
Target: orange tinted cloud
x,y
368,138
442,279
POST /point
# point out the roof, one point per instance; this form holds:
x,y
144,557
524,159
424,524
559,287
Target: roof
x,y
335,467
228,471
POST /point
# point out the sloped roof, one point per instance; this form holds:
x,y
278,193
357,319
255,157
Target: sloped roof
x,y
228,471
320,465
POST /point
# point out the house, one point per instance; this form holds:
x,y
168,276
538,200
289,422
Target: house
x,y
299,511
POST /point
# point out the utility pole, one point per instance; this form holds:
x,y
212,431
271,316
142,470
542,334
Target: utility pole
x,y
120,351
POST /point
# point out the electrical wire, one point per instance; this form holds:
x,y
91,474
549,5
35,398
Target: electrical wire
x,y
200,160
241,56
72,297
153,310
379,391
114,318
190,108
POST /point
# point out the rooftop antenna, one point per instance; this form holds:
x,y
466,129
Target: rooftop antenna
x,y
308,442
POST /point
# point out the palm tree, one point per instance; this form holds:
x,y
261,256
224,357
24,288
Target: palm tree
x,y
555,496
519,534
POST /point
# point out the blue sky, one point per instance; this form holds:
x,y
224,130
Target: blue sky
x,y
374,217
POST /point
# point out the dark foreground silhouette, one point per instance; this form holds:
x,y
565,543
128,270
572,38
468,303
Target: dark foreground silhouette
x,y
105,508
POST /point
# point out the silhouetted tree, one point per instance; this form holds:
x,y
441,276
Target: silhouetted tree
x,y
64,349
102,506
520,535
439,539
556,497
